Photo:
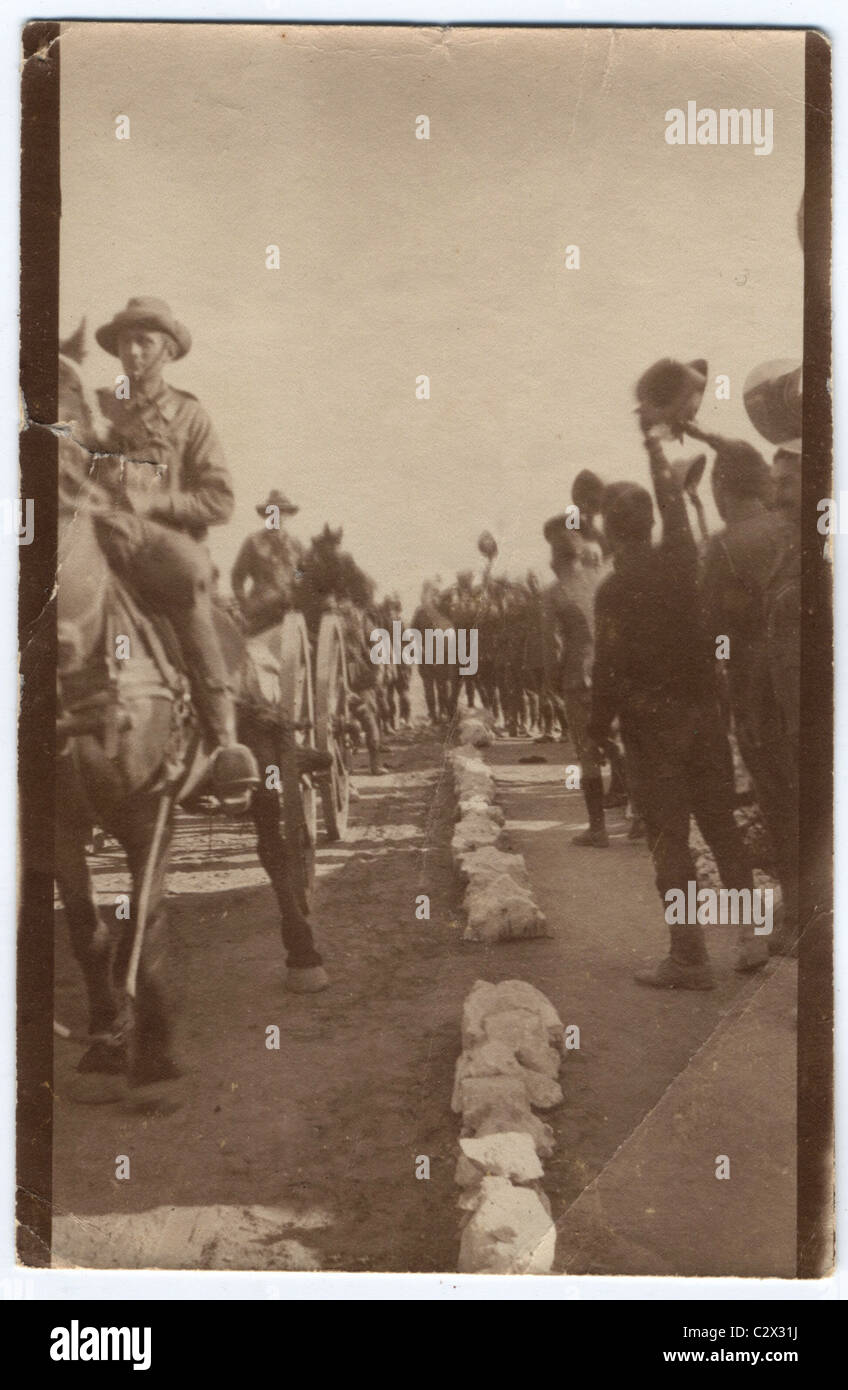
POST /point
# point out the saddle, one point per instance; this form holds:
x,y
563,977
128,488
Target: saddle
x,y
96,695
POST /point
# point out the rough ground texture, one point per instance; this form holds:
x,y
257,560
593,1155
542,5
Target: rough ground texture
x,y
306,1156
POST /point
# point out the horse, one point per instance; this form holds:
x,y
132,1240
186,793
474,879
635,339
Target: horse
x,y
328,574
130,749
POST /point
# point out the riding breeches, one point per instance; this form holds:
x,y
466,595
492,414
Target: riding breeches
x,y
172,574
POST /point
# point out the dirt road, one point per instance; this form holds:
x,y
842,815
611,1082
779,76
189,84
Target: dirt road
x,y
306,1156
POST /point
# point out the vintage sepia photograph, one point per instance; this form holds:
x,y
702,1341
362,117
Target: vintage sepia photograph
x,y
425,741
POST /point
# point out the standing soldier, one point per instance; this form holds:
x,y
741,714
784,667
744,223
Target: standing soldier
x,y
568,652
441,685
587,492
654,669
267,568
541,710
168,472
751,597
462,606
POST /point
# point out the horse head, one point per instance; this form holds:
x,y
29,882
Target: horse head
x,y
82,571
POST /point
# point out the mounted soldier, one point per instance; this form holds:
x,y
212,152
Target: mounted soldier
x,y
166,470
268,567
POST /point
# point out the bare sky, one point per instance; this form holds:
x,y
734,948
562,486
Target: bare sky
x,y
402,256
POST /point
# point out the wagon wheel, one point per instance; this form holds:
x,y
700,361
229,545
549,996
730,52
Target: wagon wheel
x,y
331,720
299,801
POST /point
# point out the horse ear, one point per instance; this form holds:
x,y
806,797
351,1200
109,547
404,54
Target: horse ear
x,y
75,346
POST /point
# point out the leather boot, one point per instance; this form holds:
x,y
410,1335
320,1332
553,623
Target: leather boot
x,y
596,835
233,770
783,941
752,950
687,965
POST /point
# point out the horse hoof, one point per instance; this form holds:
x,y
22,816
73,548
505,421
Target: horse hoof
x,y
108,1059
152,1089
150,1071
306,979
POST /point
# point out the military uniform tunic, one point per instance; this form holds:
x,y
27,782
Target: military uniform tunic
x,y
163,447
269,562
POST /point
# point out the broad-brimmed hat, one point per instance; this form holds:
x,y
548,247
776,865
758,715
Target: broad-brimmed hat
x,y
487,545
670,392
279,500
774,399
144,312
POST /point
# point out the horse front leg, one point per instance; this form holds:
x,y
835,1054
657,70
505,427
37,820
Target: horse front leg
x,y
152,1037
91,941
93,950
306,973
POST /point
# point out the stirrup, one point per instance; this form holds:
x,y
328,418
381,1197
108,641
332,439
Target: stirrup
x,y
234,771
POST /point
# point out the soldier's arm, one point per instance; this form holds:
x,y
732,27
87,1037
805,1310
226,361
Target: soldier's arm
x,y
677,532
207,498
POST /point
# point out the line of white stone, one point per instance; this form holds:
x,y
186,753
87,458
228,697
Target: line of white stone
x,y
498,900
512,1040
